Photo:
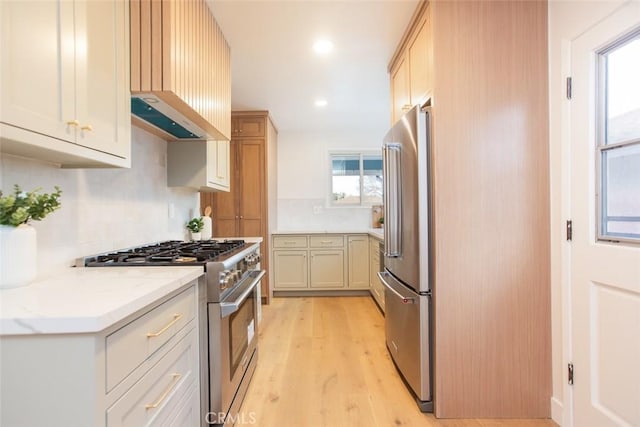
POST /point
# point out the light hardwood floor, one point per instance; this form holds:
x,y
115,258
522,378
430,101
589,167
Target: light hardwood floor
x,y
323,362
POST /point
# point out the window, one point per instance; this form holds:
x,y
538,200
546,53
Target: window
x,y
356,179
618,148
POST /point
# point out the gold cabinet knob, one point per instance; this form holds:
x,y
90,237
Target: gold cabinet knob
x,y
87,128
73,123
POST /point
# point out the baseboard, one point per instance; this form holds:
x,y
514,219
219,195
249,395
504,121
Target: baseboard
x,y
327,293
557,409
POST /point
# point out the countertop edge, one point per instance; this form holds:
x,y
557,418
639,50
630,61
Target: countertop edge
x,y
375,232
29,322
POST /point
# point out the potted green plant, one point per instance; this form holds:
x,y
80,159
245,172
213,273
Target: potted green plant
x,y
18,243
381,221
195,226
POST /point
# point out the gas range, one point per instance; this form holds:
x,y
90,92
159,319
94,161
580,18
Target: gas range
x,y
228,312
226,262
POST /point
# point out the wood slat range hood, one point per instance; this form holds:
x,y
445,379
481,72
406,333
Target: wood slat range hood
x,y
180,70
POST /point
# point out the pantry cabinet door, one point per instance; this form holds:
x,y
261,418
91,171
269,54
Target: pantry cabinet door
x,y
252,185
37,67
102,56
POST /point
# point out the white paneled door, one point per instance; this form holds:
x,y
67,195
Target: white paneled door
x,y
605,274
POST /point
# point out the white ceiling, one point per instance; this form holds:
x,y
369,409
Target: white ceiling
x,y
274,67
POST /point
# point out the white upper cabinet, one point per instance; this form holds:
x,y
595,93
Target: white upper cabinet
x,y
194,164
65,82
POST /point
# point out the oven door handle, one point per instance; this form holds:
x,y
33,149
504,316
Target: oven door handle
x,y
227,308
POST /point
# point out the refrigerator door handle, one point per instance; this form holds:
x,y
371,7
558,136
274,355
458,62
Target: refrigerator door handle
x,y
392,199
405,299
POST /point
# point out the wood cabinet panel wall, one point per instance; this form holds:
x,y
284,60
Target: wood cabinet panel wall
x,y
65,82
166,36
491,287
248,209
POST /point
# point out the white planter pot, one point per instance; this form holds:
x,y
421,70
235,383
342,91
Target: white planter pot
x,y
18,255
196,236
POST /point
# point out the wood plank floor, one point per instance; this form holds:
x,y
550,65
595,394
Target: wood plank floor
x,y
323,362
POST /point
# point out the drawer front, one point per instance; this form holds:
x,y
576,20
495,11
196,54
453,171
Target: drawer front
x,y
290,241
326,241
160,392
129,346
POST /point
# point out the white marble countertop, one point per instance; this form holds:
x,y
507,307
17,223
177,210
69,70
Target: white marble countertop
x,y
83,300
375,232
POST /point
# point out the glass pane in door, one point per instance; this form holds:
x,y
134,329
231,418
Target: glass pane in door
x,y
622,91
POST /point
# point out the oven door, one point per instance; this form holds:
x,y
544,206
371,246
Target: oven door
x,y
236,352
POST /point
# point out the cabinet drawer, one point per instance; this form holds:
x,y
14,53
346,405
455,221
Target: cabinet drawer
x,y
129,346
326,241
290,241
160,392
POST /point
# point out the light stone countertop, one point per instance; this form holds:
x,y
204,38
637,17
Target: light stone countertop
x,y
84,300
375,232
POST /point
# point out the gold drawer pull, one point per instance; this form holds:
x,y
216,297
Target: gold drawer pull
x,y
176,317
326,241
73,123
176,378
289,242
87,128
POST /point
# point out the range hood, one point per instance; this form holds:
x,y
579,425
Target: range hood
x,y
162,116
180,71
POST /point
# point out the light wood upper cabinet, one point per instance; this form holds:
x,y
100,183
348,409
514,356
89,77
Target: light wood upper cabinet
x,y
420,62
204,166
400,96
179,54
411,67
65,80
247,127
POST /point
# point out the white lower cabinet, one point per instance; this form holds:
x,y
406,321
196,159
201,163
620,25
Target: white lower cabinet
x,y
321,262
290,269
375,285
326,269
144,370
158,394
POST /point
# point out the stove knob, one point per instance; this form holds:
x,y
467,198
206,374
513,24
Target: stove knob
x,y
224,279
238,274
257,258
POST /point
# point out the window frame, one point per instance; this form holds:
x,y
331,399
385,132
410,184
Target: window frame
x,y
361,154
601,146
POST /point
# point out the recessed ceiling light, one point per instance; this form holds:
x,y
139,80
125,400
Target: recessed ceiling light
x,y
321,103
322,46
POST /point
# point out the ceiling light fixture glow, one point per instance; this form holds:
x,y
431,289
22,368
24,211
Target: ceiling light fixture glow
x,y
322,46
321,103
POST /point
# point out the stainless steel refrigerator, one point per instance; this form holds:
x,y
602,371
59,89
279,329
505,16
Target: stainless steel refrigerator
x,y
407,254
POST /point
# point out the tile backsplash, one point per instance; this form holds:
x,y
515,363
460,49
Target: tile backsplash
x,y
314,215
104,209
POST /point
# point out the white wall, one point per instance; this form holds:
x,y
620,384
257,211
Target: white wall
x,y
103,209
304,178
567,20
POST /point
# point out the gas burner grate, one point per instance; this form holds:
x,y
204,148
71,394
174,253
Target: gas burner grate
x,y
169,253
